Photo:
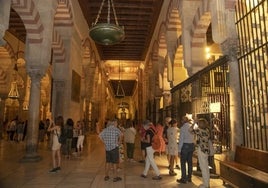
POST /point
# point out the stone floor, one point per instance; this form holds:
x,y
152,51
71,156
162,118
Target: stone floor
x,y
86,171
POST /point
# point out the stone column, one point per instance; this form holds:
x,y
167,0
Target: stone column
x,y
58,98
4,19
33,117
229,47
166,99
156,109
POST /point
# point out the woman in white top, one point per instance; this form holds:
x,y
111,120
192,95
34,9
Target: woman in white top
x,y
172,135
56,146
81,137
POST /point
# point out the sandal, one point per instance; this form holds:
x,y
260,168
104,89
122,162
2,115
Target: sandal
x,y
106,178
172,173
117,179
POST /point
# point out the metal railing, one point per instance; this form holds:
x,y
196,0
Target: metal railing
x,y
206,94
252,27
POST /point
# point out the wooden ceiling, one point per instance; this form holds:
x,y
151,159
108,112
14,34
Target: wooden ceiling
x,y
138,17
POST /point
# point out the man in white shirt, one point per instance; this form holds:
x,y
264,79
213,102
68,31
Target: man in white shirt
x,y
186,149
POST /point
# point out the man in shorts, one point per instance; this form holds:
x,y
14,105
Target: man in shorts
x,y
111,136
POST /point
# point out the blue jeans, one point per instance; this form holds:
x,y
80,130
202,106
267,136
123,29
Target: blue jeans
x,y
187,157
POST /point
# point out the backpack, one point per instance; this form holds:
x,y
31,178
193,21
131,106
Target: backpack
x,y
69,132
61,137
156,140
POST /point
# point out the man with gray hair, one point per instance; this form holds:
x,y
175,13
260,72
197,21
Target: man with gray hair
x,y
111,136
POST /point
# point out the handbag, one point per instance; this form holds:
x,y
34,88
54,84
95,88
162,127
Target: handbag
x,y
61,138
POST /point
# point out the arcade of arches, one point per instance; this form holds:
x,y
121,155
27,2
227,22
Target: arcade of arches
x,y
58,71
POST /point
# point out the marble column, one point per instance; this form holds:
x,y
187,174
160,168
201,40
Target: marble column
x,y
31,154
4,19
156,110
166,99
229,47
58,103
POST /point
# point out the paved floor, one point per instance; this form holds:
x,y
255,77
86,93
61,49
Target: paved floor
x,y
86,171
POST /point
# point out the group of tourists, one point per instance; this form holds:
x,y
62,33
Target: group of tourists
x,y
15,130
67,139
177,142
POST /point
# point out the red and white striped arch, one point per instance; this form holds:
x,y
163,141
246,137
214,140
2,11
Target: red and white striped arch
x,y
58,48
31,19
201,22
63,18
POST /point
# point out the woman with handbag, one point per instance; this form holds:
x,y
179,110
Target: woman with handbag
x,y
56,146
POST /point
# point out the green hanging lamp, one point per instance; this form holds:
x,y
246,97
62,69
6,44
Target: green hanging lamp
x,y
107,33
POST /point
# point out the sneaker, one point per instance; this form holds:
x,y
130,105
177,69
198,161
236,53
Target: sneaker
x,y
117,179
58,168
106,178
157,178
53,170
143,176
181,181
177,166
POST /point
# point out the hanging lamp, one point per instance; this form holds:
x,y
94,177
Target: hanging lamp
x,y
120,93
107,33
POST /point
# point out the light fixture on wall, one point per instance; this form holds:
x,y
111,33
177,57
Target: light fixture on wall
x,y
20,54
107,33
120,93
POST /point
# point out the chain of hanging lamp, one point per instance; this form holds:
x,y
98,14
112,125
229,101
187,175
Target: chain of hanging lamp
x,y
109,11
107,33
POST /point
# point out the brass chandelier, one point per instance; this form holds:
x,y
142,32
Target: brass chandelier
x,y
107,33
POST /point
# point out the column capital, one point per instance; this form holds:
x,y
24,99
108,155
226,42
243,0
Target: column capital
x,y
157,97
59,84
166,93
36,73
229,47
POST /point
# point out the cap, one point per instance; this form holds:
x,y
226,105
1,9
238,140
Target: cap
x,y
189,117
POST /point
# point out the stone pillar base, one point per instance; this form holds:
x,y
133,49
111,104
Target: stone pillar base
x,y
31,159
